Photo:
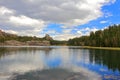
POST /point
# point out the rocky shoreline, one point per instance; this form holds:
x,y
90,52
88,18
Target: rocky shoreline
x,y
27,43
7,39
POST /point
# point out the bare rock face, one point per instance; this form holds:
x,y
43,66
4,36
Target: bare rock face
x,y
38,43
47,37
28,43
14,43
1,33
4,34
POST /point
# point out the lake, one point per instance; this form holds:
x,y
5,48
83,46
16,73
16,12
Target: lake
x,y
58,63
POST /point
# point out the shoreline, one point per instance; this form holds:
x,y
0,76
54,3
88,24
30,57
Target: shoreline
x,y
102,48
81,47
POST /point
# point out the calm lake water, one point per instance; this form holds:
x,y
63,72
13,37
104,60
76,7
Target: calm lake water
x,y
58,63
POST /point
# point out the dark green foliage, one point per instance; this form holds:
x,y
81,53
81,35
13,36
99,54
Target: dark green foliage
x,y
109,37
55,42
79,41
20,38
2,39
28,38
108,58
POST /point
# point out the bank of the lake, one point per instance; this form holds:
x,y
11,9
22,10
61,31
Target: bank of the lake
x,y
102,48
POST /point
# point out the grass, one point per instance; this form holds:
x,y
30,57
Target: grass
x,y
105,48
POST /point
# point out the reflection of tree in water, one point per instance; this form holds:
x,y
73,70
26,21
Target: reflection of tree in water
x,y
108,58
2,51
16,50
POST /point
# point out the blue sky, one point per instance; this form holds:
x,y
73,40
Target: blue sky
x,y
61,19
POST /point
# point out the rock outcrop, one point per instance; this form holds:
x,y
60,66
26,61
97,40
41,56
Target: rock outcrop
x,y
27,43
38,43
14,43
47,37
4,34
14,40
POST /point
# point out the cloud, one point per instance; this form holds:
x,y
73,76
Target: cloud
x,y
86,31
107,14
65,36
25,21
20,24
32,16
11,31
5,11
102,22
67,30
68,12
51,32
67,33
111,2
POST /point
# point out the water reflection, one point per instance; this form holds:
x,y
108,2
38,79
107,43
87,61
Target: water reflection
x,y
4,51
90,63
108,58
106,63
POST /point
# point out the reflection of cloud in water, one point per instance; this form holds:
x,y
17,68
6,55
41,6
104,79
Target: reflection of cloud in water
x,y
86,72
80,55
25,60
20,63
56,74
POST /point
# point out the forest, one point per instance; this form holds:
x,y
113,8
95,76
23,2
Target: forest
x,y
109,37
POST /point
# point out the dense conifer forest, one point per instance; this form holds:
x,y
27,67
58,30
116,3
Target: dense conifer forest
x,y
109,37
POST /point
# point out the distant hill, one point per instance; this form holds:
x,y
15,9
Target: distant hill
x,y
6,36
47,37
15,40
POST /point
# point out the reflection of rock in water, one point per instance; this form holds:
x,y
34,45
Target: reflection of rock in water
x,y
14,50
52,74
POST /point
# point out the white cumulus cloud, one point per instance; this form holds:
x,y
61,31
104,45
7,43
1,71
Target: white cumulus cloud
x,y
32,16
4,11
102,22
25,21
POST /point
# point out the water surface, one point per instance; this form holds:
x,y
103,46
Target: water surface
x,y
58,63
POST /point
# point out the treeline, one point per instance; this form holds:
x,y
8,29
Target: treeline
x,y
106,58
56,42
20,38
7,36
109,37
